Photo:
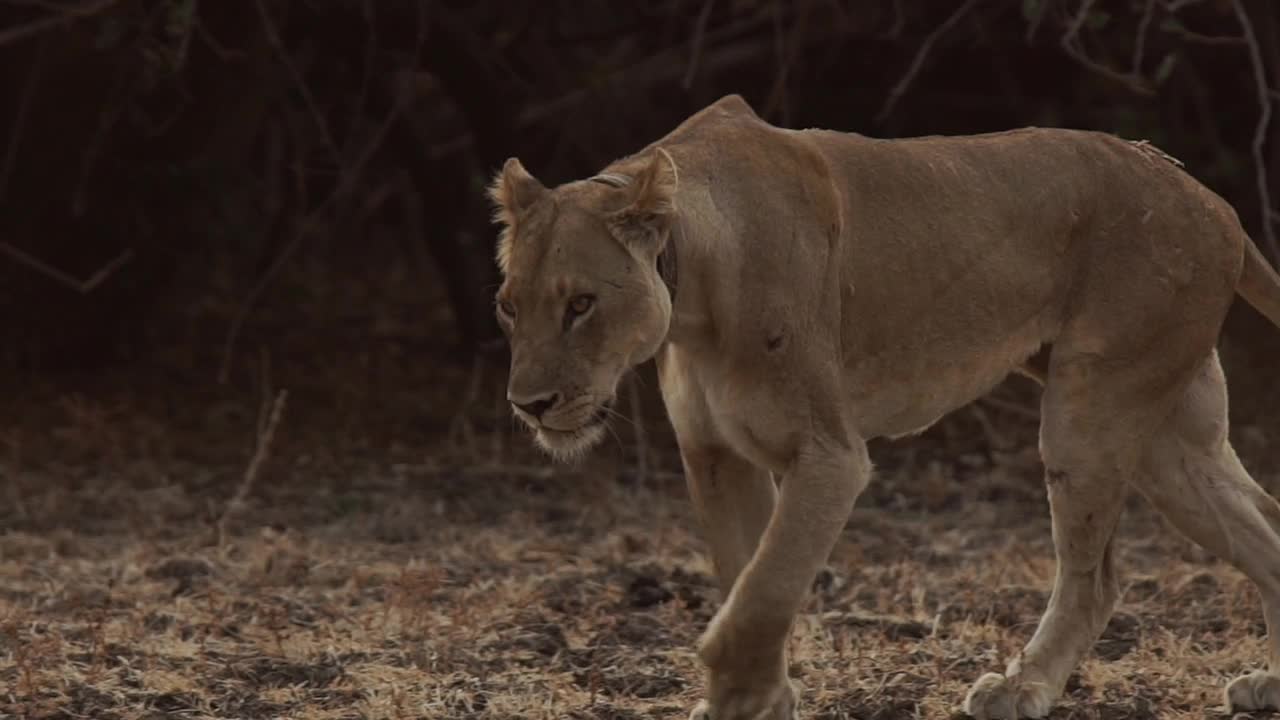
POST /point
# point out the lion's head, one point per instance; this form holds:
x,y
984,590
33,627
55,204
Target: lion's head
x,y
582,301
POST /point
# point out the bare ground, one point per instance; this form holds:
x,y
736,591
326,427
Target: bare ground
x,y
405,554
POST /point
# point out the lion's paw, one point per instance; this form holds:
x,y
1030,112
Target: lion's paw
x,y
996,697
784,709
1259,690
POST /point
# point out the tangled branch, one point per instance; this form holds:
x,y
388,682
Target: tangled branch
x,y
1260,130
1070,44
62,17
918,61
84,287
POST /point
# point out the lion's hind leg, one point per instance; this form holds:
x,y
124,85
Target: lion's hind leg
x,y
1089,456
1192,475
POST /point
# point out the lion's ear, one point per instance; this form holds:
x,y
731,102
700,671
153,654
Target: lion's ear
x,y
513,191
644,222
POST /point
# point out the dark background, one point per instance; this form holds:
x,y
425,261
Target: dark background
x,y
182,150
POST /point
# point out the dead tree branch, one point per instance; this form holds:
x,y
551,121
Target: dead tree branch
x,y
1070,45
641,433
344,186
20,118
699,35
273,36
1260,130
63,17
1140,44
84,287
918,61
267,426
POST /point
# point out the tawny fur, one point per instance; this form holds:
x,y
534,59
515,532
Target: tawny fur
x,y
835,288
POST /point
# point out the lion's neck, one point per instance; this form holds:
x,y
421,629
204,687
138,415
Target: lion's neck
x,y
678,265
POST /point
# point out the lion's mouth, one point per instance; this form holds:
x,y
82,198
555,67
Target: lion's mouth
x,y
568,444
600,415
596,419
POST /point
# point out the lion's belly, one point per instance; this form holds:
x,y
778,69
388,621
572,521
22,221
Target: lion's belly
x,y
904,392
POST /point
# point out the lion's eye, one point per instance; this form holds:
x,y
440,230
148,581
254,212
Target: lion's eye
x,y
581,303
506,308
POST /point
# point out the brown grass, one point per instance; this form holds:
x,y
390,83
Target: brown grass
x,y
388,564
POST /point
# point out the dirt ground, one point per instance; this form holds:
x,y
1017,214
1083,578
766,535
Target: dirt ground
x,y
403,552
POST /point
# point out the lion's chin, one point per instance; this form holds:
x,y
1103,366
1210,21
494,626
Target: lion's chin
x,y
567,446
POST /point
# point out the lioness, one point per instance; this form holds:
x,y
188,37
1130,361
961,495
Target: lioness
x,y
804,291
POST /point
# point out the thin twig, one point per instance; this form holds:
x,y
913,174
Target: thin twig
x,y
370,57
1068,42
273,36
657,68
1174,6
498,439
20,119
221,51
348,181
1073,30
261,451
259,287
788,50
84,287
1034,25
899,22
699,35
107,118
106,271
642,436
67,15
1192,36
1260,131
1140,44
461,431
918,61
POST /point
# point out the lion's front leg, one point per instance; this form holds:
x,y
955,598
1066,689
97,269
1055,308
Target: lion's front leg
x,y
733,500
744,648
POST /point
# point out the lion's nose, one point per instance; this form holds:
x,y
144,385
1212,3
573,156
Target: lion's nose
x,y
537,407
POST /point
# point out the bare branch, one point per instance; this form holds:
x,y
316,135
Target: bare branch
x,y
1260,130
918,62
220,50
20,118
1133,81
1140,44
899,21
278,46
786,50
699,35
652,70
642,435
1042,9
462,433
84,287
1174,6
65,16
1192,36
348,181
267,426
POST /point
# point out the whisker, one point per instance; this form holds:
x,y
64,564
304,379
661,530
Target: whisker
x,y
615,435
635,375
611,413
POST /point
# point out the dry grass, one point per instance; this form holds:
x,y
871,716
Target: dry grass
x,y
396,561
